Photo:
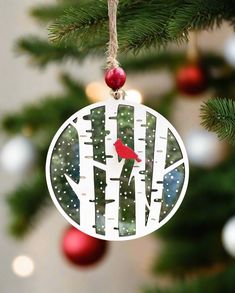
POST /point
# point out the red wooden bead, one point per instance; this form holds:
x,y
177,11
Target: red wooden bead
x,y
115,78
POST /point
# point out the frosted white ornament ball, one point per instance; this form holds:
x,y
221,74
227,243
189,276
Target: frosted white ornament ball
x,y
18,155
204,148
228,236
229,51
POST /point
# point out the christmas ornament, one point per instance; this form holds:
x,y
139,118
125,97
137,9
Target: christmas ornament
x,y
191,80
203,148
229,51
18,155
117,170
82,249
228,236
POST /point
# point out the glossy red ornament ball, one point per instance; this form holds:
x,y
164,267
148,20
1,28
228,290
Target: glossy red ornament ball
x,y
82,249
191,80
115,78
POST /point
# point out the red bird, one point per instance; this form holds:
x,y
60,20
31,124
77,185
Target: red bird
x,y
124,151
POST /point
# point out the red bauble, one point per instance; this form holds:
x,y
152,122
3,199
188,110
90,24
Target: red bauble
x,y
115,78
82,249
191,80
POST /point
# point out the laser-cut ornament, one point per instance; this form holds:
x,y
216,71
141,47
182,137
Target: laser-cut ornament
x,y
117,170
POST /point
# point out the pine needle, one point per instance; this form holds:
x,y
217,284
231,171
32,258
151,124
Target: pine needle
x,y
218,115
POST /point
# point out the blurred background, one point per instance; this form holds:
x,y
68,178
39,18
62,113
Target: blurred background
x,y
32,230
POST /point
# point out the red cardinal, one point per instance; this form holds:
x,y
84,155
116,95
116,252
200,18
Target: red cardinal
x,y
124,151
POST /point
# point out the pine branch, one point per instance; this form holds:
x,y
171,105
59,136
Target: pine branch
x,y
80,24
141,24
42,52
218,115
90,19
72,86
155,60
145,25
25,203
197,15
152,61
47,13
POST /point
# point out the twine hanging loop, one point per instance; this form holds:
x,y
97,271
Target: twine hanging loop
x,y
113,41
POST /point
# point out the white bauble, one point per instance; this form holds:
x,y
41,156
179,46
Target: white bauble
x,y
228,236
203,148
229,51
18,155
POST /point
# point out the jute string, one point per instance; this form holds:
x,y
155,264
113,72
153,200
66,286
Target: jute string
x,y
193,50
113,41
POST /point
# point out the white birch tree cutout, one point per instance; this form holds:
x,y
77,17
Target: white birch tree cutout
x,y
109,197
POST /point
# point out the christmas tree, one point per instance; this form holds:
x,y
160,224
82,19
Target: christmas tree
x,y
192,251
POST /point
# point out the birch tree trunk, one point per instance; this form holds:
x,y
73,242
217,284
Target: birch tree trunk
x,y
113,169
84,189
158,174
139,169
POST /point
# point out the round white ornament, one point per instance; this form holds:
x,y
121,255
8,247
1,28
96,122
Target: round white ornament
x,y
203,148
18,155
117,170
228,236
229,51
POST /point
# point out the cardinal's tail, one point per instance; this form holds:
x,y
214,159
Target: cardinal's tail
x,y
138,160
